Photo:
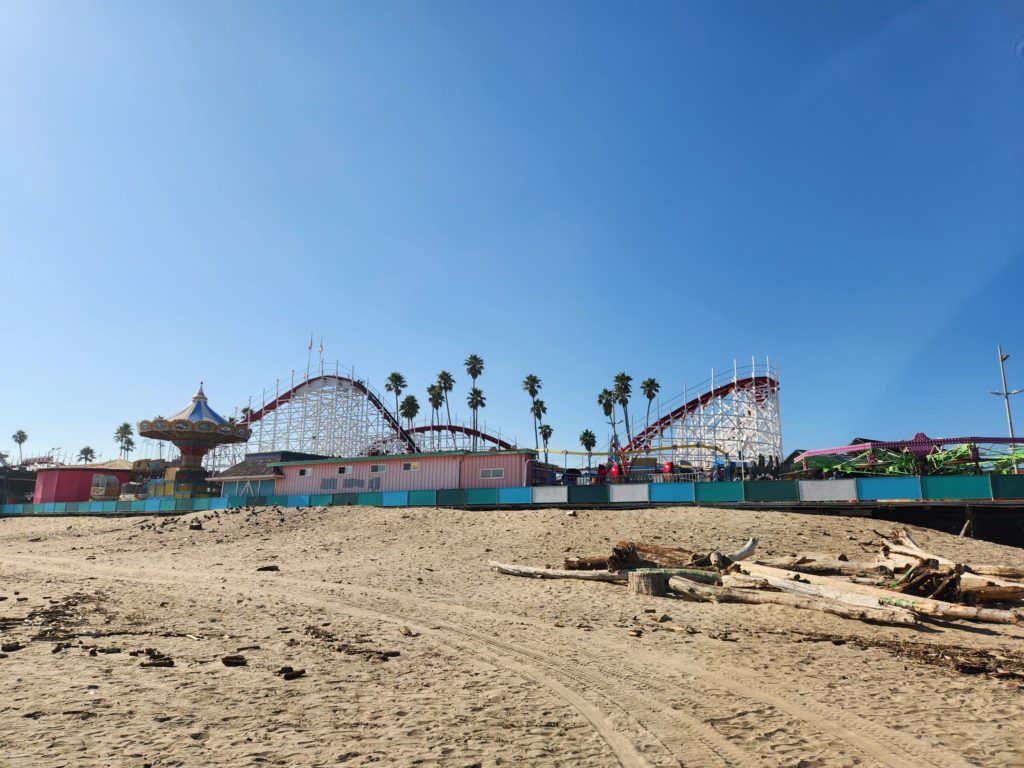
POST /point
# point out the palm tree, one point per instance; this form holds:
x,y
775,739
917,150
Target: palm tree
x,y
20,437
606,399
246,413
476,402
395,383
545,434
531,386
87,455
588,440
650,388
447,383
538,409
474,367
121,436
435,397
129,446
409,409
623,389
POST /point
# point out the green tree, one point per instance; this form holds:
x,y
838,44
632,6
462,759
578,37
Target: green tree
x,y
474,369
546,430
129,446
531,386
87,455
588,440
409,409
623,389
650,388
20,437
447,383
476,401
435,398
395,383
606,399
122,435
537,409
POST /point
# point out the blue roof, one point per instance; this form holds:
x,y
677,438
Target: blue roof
x,y
198,410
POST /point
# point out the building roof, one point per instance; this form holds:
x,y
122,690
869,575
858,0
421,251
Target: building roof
x,y
258,466
115,465
198,410
404,457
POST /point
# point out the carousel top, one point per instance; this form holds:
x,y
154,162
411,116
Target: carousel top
x,y
199,410
196,421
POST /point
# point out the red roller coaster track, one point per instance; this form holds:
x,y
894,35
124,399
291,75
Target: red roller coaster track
x,y
457,429
642,440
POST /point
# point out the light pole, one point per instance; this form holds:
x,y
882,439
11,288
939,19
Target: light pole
x,y
1006,399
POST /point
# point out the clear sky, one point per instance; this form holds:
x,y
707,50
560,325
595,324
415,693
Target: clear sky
x,y
188,189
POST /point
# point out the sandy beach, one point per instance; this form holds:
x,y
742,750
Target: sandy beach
x,y
415,652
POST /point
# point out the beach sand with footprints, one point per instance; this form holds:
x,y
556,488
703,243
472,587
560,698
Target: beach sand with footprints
x,y
356,636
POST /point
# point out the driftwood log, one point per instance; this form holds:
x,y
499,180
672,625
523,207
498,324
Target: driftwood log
x,y
638,554
902,542
598,563
552,573
648,583
827,565
693,591
804,588
921,605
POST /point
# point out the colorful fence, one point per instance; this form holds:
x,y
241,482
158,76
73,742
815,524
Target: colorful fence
x,y
767,492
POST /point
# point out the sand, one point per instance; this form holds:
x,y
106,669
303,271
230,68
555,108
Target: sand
x,y
490,670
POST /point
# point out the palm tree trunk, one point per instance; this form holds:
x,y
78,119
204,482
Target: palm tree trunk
x,y
448,409
648,412
625,418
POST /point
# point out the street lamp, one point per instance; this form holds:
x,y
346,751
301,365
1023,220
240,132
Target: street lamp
x,y
1006,399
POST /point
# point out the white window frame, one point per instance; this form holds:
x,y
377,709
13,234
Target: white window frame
x,y
346,470
303,473
492,473
411,466
378,469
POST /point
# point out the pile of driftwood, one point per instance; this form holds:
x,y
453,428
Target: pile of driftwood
x,y
901,585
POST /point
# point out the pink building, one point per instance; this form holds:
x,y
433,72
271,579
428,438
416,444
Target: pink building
x,y
408,472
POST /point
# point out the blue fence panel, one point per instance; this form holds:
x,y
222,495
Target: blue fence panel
x,y
515,496
671,492
885,488
219,502
298,501
395,499
236,501
152,505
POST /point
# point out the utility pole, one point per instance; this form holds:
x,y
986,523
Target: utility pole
x,y
1006,399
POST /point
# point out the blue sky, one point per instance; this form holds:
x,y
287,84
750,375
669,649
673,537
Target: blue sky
x,y
187,190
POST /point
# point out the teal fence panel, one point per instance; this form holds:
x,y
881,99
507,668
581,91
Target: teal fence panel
x,y
588,494
234,502
515,496
956,487
451,497
321,499
12,509
1008,486
886,488
395,499
183,505
200,505
139,505
344,499
298,501
60,508
123,506
109,506
277,501
672,492
719,492
166,505
369,499
771,490
152,505
49,508
219,502
482,496
422,498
